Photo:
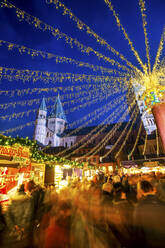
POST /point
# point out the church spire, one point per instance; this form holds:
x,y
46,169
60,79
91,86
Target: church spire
x,y
57,110
43,105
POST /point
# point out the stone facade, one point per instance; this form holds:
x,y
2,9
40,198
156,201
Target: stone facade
x,y
50,129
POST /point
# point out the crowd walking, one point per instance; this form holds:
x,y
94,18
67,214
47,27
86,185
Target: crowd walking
x,y
107,212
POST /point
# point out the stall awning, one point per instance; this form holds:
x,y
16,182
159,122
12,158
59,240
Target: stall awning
x,y
6,163
143,162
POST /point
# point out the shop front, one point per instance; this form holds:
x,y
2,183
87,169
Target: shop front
x,y
156,165
15,169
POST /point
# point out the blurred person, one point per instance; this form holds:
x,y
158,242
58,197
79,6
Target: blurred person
x,y
21,190
99,234
50,202
149,220
107,195
161,190
19,221
79,233
121,217
131,189
2,225
57,234
116,179
37,194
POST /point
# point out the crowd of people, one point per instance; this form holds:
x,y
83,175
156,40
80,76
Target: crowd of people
x,y
106,212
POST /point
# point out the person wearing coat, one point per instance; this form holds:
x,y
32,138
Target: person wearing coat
x,y
149,219
19,219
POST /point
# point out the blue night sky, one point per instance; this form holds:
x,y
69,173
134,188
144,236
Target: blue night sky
x,y
96,15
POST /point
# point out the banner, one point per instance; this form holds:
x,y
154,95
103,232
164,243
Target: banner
x,y
19,153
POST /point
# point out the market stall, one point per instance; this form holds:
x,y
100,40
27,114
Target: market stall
x,y
15,169
143,166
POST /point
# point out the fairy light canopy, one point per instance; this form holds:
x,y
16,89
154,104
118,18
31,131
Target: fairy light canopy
x,y
88,51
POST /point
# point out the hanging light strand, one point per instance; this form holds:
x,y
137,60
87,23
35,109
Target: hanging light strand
x,y
13,74
37,23
94,100
70,96
30,91
145,144
143,9
22,49
12,130
123,132
109,135
160,49
96,113
94,133
128,133
89,31
137,139
33,122
108,2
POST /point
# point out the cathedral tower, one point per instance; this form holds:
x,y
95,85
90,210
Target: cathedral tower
x,y
57,119
40,127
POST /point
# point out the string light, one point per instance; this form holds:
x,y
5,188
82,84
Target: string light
x,y
109,135
87,103
37,23
35,154
20,127
53,77
96,114
67,96
123,132
94,133
142,8
137,139
128,133
145,144
74,88
108,2
159,52
89,31
22,49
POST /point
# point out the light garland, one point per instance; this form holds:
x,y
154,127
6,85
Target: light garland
x,y
108,136
142,8
30,91
33,122
112,117
12,130
108,2
129,131
89,31
22,49
145,144
37,23
35,154
137,139
27,113
97,112
53,77
160,48
67,96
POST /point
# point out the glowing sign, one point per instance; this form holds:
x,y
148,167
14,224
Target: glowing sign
x,y
19,153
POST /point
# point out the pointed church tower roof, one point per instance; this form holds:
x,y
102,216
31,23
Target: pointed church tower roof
x,y
43,105
57,111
